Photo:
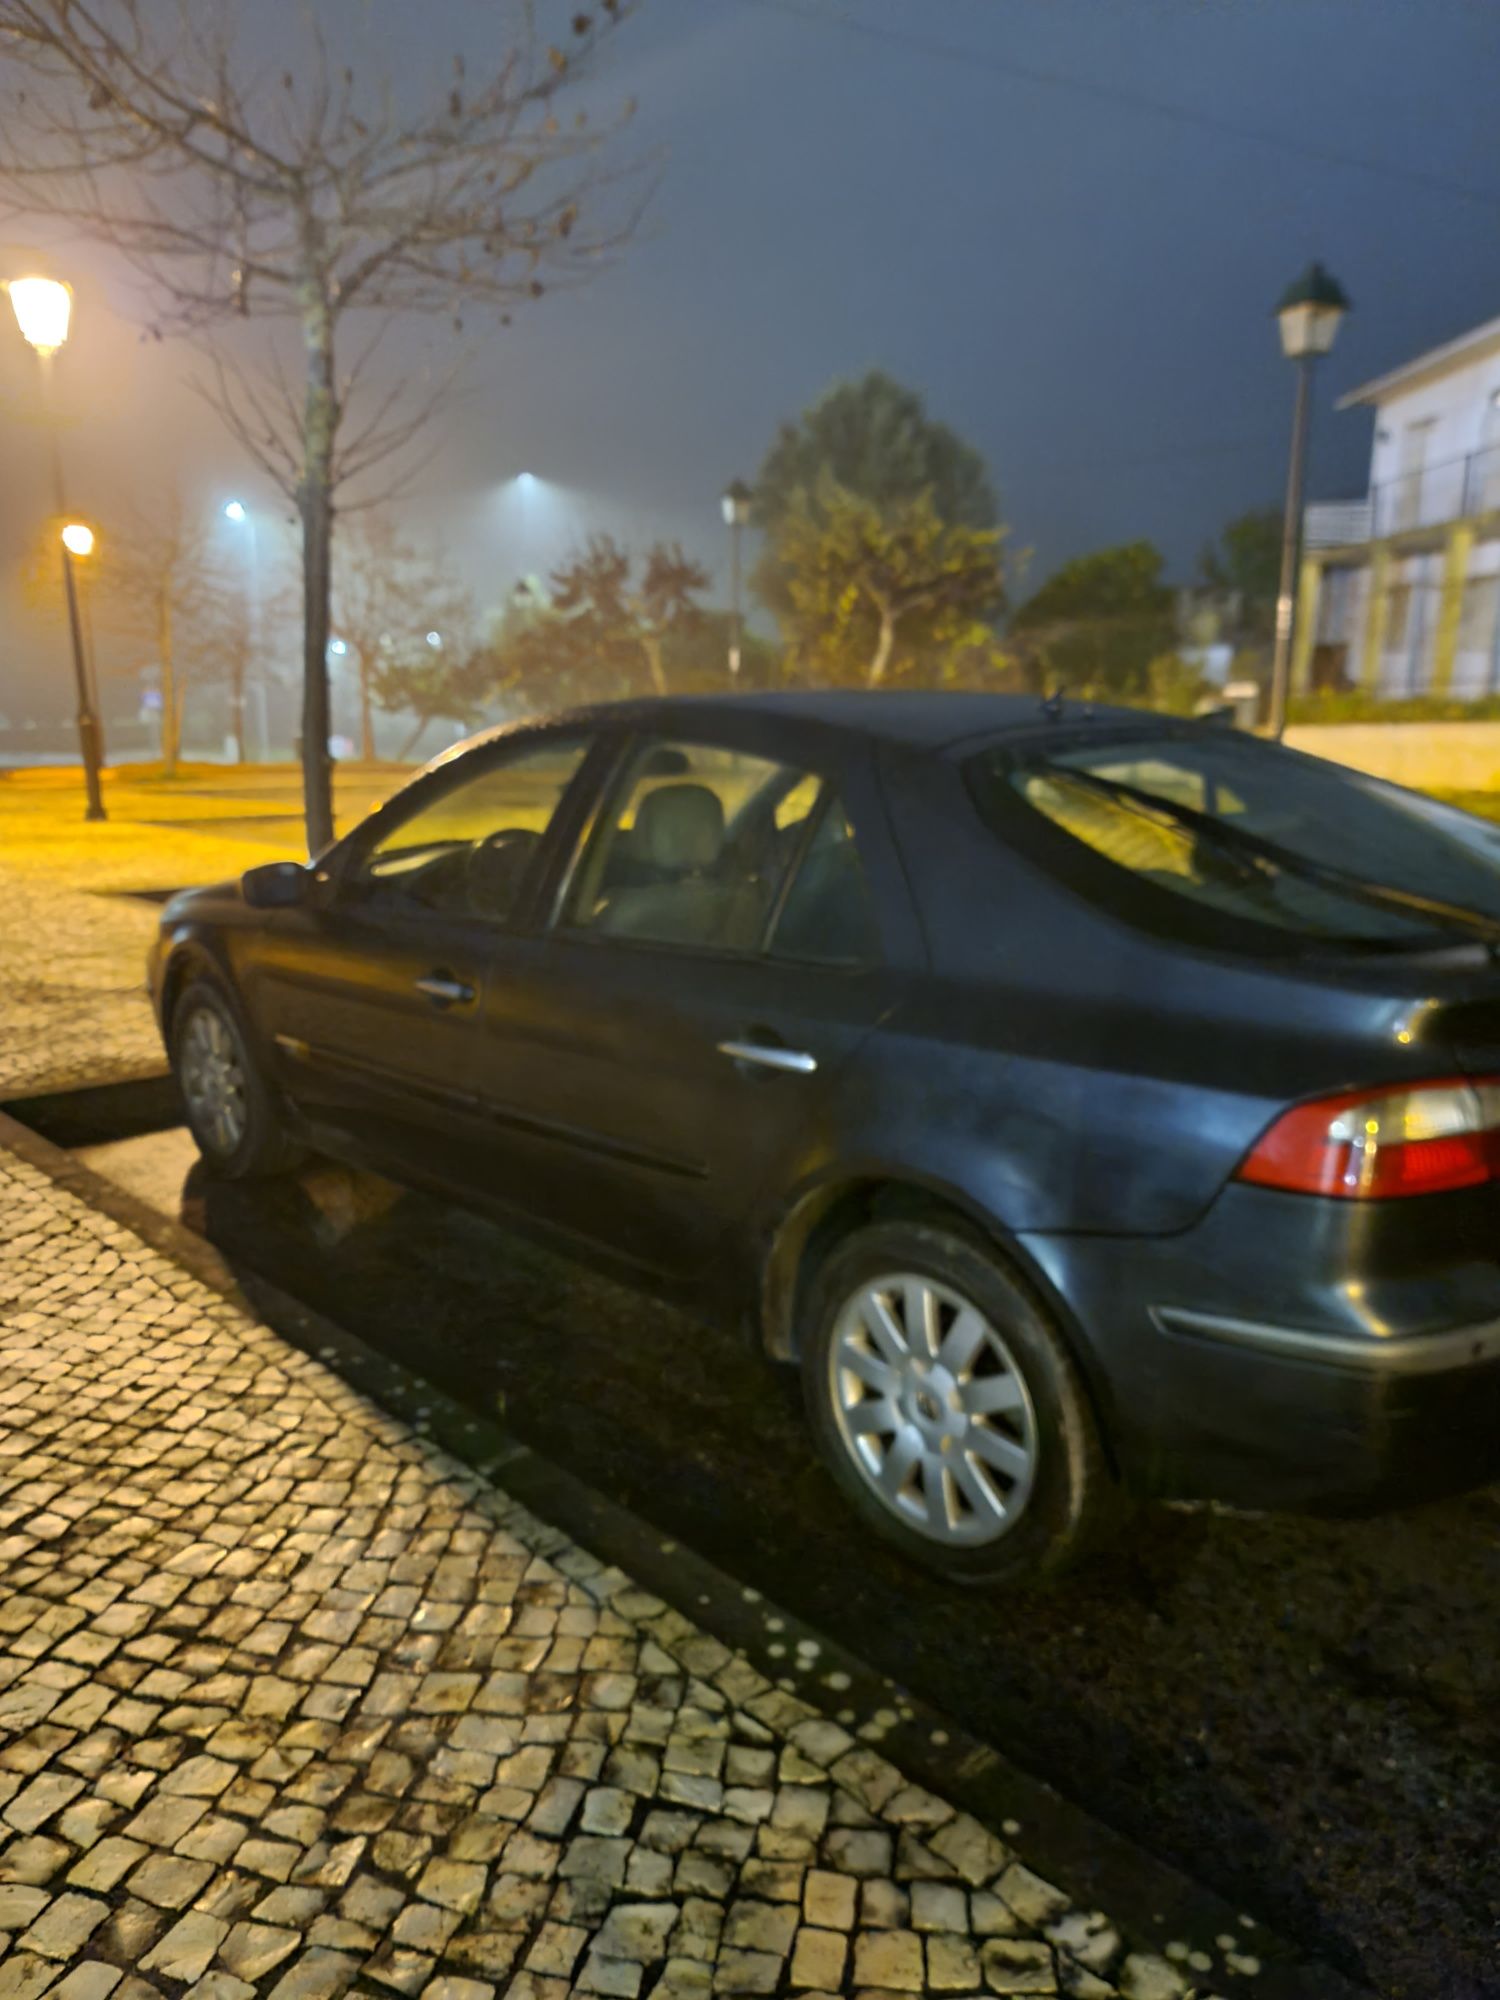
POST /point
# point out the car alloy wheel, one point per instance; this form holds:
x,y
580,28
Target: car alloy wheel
x,y
213,1080
932,1409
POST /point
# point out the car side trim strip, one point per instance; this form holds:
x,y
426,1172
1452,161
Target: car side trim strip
x,y
1396,1354
595,1142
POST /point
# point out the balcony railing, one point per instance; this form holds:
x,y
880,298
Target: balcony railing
x,y
1425,498
1334,524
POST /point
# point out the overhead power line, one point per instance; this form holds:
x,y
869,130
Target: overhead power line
x,y
1181,114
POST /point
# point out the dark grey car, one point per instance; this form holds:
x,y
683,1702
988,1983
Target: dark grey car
x,y
1086,1103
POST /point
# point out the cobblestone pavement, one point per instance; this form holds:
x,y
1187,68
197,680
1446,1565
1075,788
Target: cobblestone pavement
x,y
73,1006
292,1704
73,941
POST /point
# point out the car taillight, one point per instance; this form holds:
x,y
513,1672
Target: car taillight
x,y
1369,1145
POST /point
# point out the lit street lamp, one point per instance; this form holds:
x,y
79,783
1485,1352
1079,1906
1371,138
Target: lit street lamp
x,y
736,505
1308,314
43,309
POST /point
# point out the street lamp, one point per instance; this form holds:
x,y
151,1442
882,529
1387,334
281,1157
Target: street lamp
x,y
43,308
234,510
78,538
1308,315
736,505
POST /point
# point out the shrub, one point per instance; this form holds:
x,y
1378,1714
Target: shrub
x,y
1359,705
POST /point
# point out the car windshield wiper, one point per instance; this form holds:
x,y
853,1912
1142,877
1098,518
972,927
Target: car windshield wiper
x,y
1249,849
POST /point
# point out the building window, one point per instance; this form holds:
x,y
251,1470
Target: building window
x,y
1476,623
1397,617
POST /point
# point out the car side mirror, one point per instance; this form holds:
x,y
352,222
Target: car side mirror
x,y
277,885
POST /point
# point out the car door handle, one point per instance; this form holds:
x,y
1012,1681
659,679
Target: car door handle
x,y
443,990
770,1055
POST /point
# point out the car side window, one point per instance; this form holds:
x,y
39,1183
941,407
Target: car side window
x,y
828,913
469,852
693,848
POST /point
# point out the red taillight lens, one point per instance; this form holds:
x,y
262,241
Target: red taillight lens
x,y
1371,1145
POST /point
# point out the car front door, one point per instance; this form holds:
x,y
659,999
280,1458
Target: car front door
x,y
720,952
372,997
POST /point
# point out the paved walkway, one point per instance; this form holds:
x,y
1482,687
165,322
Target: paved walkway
x,y
73,1006
293,1704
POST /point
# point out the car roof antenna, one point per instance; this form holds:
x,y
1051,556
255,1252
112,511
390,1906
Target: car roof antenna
x,y
1052,705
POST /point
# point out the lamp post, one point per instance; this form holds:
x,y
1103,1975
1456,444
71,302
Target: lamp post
x,y
43,308
1308,315
736,505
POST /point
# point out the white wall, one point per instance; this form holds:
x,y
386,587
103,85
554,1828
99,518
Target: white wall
x,y
1456,403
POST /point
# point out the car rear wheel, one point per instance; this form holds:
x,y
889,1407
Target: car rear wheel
x,y
230,1108
947,1408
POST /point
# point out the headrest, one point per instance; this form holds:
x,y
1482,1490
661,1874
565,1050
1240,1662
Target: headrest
x,y
680,827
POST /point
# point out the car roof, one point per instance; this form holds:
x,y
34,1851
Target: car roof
x,y
918,718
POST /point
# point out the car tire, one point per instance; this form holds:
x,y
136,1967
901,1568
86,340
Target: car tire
x,y
232,1111
1009,1482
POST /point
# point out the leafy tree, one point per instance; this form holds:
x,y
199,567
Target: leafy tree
x,y
1247,562
323,201
1098,624
445,686
606,632
877,593
875,440
387,596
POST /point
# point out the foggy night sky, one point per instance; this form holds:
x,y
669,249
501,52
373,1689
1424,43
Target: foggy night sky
x,y
1080,286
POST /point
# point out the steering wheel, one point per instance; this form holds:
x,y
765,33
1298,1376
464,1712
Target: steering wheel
x,y
494,869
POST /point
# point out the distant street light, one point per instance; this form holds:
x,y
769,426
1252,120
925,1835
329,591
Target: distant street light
x,y
43,309
234,510
435,640
78,538
736,505
338,648
1308,315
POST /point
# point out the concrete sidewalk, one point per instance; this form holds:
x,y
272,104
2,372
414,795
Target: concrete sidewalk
x,y
292,1703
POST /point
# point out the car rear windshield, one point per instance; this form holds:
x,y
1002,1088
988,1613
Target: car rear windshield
x,y
1220,837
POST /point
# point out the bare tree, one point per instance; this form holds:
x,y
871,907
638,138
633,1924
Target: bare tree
x,y
224,635
395,605
310,195
155,569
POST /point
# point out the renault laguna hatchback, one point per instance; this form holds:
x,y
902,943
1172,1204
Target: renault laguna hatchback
x,y
1089,1104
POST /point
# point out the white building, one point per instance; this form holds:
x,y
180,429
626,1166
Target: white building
x,y
1399,589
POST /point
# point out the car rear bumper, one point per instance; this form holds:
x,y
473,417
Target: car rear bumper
x,y
1294,1352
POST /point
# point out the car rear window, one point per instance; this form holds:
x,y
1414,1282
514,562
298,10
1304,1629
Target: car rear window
x,y
1221,837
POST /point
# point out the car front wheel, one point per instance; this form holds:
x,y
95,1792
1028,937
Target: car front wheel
x,y
230,1108
947,1408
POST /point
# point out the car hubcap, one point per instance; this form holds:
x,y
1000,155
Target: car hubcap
x,y
933,1409
213,1080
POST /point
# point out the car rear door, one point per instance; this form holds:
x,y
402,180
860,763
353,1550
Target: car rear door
x,y
372,1000
679,1036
